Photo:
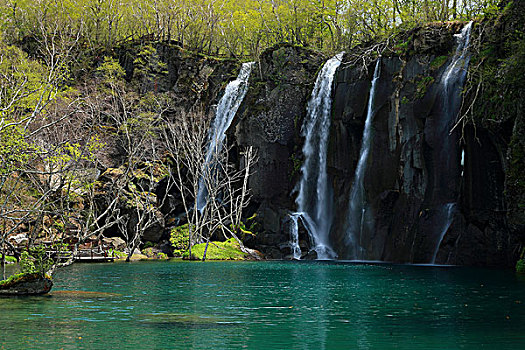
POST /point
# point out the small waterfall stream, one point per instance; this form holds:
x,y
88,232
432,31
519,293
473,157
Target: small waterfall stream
x,y
226,110
447,214
294,235
357,216
315,198
451,85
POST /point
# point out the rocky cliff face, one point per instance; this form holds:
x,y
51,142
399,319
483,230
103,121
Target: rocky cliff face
x,y
270,119
406,194
419,215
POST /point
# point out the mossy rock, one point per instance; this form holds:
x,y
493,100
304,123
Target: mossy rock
x,y
229,250
26,284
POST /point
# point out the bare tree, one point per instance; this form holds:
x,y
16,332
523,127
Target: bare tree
x,y
226,184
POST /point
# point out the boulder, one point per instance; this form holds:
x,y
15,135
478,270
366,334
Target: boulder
x,y
26,284
115,242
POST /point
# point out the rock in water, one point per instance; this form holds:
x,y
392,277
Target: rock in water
x,y
26,284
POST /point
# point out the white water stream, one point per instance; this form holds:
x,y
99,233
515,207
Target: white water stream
x,y
226,109
357,207
315,198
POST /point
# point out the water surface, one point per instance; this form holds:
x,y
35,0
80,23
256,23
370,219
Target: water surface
x,y
269,305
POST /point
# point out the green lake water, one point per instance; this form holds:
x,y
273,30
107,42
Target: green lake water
x,y
269,305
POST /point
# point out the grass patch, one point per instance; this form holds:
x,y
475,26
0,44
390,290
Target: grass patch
x,y
229,250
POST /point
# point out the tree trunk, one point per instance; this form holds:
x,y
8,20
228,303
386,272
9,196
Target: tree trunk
x,y
3,259
3,251
133,246
205,250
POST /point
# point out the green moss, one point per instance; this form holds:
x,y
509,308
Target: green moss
x,y
229,250
438,62
20,278
11,280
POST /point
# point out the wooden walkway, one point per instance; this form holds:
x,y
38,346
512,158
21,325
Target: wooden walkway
x,y
94,259
94,256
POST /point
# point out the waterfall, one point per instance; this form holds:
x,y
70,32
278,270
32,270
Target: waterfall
x,y
447,216
294,236
357,217
226,110
314,201
448,166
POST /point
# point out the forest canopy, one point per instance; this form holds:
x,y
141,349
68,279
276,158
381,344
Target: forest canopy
x,y
237,28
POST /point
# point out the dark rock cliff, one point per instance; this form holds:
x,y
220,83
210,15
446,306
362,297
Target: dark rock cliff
x,y
406,193
270,119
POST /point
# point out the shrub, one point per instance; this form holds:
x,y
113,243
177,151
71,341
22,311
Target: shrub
x,y
179,239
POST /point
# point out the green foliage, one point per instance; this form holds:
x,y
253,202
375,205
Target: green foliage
x,y
35,260
297,164
228,250
13,279
19,278
15,151
151,253
229,27
111,71
10,259
520,266
117,253
438,62
179,239
246,230
422,86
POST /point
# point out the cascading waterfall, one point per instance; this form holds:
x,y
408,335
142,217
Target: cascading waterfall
x,y
226,110
357,217
294,235
451,85
314,201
